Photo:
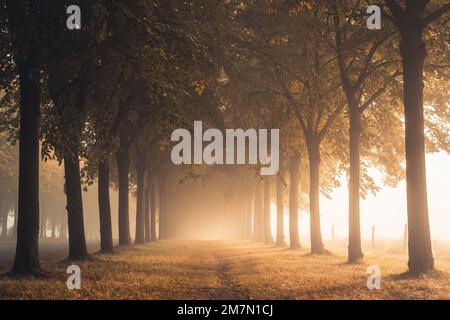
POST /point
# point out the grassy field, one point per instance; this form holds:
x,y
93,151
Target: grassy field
x,y
194,269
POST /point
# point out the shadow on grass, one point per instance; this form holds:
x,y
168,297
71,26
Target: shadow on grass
x,y
435,275
39,274
105,253
324,253
289,249
63,263
347,263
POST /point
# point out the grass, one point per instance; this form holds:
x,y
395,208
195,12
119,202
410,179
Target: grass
x,y
190,269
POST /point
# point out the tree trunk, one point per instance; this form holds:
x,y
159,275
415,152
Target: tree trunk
x,y
27,250
63,232
280,208
294,240
4,221
77,241
54,224
16,216
162,208
267,225
104,208
249,216
123,166
413,53
43,221
255,215
241,218
148,184
154,236
140,206
259,211
314,193
354,229
168,204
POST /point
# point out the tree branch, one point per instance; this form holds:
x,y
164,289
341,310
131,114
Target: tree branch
x,y
292,101
377,93
330,120
436,14
396,9
365,71
388,16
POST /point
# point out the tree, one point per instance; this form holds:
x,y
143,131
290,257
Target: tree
x,y
23,24
153,165
8,189
106,239
366,74
69,83
280,210
267,228
294,169
412,20
299,68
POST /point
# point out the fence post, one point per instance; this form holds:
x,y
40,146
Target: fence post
x,y
373,236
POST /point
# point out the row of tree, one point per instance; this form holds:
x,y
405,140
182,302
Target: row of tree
x,y
52,217
103,100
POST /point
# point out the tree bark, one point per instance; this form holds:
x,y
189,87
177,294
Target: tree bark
x,y
77,241
294,240
104,206
123,166
354,235
280,209
26,261
140,206
314,193
267,223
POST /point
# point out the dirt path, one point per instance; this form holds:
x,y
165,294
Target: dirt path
x,y
227,290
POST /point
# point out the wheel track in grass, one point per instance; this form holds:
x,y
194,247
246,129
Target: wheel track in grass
x,y
227,288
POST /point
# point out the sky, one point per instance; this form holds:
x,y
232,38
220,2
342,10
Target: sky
x,y
387,210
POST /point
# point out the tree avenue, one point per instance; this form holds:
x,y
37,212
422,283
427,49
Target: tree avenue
x,y
150,98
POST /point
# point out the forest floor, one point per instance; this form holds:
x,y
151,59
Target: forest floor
x,y
195,269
